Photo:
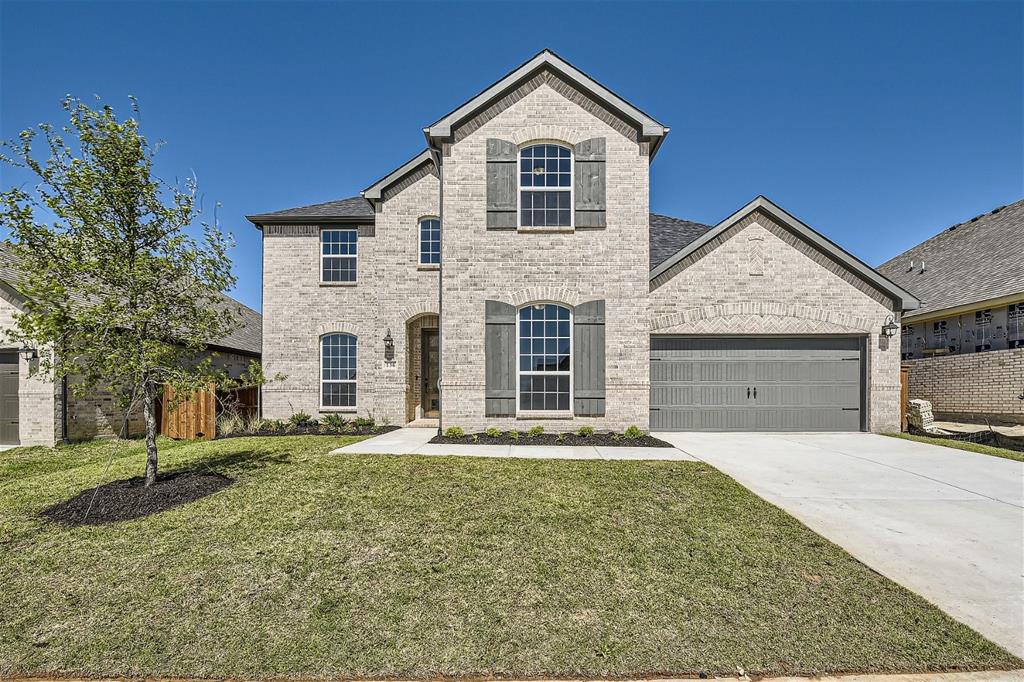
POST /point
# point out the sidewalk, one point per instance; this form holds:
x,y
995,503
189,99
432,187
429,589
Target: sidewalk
x,y
412,441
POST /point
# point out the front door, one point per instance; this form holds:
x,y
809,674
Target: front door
x,y
8,398
431,371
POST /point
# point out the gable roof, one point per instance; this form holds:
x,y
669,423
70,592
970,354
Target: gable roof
x,y
903,299
246,339
375,190
668,235
341,210
649,128
974,261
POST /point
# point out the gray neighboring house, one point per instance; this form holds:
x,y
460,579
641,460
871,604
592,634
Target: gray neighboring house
x,y
513,275
37,411
964,347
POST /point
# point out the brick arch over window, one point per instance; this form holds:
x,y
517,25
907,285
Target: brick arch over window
x,y
547,133
562,295
759,317
335,328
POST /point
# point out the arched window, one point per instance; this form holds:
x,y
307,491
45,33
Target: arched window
x,y
545,358
338,370
545,186
430,241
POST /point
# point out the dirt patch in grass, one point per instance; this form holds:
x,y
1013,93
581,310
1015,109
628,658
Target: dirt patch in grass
x,y
130,499
564,439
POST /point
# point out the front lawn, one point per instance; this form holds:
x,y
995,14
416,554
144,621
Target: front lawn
x,y
964,445
320,565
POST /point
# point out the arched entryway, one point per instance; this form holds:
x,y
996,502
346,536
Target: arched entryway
x,y
423,361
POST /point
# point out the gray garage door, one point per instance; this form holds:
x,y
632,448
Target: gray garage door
x,y
8,398
756,384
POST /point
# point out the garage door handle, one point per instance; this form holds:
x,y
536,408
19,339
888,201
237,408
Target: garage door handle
x,y
748,392
755,392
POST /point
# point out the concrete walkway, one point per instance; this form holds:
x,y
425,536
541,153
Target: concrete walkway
x,y
413,441
945,523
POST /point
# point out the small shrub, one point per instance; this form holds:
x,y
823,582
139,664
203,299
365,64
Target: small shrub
x,y
274,425
476,438
335,421
362,423
454,432
633,433
514,435
228,424
585,431
560,438
535,431
493,432
299,419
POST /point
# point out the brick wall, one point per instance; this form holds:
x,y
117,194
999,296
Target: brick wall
x,y
524,267
971,386
391,290
758,278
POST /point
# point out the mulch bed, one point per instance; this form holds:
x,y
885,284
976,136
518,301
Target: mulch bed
x,y
318,430
567,439
130,499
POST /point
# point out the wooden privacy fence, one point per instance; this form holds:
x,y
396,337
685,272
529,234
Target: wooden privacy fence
x,y
194,417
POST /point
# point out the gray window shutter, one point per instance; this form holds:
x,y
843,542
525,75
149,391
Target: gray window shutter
x,y
500,359
501,184
590,183
588,359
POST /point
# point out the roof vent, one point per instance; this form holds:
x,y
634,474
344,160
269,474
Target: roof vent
x,y
910,269
922,265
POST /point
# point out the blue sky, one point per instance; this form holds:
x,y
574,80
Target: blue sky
x,y
879,124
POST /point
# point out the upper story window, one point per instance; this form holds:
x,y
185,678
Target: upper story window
x,y
338,255
545,358
545,186
338,370
430,241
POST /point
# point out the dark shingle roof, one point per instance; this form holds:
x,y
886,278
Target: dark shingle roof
x,y
247,338
353,207
669,234
974,261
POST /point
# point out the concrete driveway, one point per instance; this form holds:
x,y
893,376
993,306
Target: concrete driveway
x,y
945,523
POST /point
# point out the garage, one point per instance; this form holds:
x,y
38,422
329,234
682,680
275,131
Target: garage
x,y
8,398
757,383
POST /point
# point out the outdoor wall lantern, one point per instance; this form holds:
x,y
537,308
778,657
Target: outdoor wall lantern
x,y
28,353
389,346
890,327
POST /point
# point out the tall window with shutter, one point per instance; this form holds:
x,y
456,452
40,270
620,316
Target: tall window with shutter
x,y
545,186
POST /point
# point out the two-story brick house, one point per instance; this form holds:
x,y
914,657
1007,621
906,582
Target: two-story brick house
x,y
516,260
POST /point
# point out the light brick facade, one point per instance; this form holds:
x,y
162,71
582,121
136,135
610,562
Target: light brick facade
x,y
972,386
758,278
391,290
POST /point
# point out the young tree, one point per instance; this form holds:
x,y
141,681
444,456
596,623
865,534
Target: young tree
x,y
119,295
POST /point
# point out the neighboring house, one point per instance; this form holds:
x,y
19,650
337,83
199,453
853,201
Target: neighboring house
x,y
516,260
36,411
965,345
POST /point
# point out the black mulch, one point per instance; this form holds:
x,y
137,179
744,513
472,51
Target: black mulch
x,y
567,439
317,430
130,499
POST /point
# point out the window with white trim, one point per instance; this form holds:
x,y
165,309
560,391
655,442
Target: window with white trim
x,y
545,358
338,255
545,186
430,241
338,370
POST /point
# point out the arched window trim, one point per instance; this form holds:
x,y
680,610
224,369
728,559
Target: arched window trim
x,y
354,377
520,373
569,191
420,242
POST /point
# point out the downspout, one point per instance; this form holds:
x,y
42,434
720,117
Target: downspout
x,y
440,296
64,410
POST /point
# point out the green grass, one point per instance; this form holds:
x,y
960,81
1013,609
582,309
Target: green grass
x,y
369,566
962,445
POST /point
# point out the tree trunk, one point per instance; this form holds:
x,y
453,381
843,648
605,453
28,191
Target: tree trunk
x,y
149,411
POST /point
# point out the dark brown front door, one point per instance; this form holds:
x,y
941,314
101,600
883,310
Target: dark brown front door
x,y
430,371
8,399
